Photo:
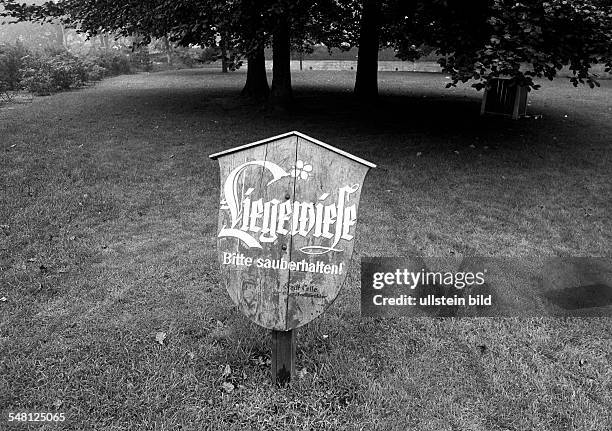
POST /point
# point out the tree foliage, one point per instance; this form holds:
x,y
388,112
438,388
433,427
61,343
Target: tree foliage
x,y
477,40
521,39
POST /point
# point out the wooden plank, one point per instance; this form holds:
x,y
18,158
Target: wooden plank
x,y
283,356
259,292
293,133
517,102
336,150
483,105
329,185
249,145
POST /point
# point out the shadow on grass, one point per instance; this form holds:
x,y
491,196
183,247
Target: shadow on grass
x,y
417,113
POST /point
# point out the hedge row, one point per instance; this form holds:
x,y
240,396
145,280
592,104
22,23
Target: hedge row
x,y
52,70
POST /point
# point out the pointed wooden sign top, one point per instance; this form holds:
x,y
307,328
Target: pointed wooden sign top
x,y
287,220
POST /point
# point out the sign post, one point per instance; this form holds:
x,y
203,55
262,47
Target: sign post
x,y
287,219
283,356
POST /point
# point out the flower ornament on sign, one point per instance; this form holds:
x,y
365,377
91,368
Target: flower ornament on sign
x,y
301,170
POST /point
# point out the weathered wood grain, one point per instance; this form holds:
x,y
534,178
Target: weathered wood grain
x,y
310,293
310,195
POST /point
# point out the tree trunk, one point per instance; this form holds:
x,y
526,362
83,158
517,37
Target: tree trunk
x,y
366,83
62,39
256,86
168,49
281,93
224,68
104,43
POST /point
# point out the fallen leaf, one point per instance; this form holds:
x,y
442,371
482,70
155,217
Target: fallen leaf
x,y
3,299
227,371
228,387
160,337
419,154
302,373
472,146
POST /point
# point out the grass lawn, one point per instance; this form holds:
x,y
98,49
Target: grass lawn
x,y
108,214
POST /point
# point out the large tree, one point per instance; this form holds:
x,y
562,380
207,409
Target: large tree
x,y
298,24
521,39
483,39
237,23
246,25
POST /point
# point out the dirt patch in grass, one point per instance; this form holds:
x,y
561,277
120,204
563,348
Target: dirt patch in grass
x,y
108,207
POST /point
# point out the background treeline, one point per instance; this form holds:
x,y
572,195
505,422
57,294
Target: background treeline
x,y
47,58
523,40
50,69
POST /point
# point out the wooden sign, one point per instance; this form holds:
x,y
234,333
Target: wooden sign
x,y
287,223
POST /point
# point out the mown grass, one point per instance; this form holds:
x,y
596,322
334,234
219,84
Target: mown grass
x,y
109,209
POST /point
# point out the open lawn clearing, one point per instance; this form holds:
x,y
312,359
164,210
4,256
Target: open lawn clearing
x,y
108,207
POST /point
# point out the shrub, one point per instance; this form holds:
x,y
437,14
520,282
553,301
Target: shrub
x,y
189,57
141,59
50,72
113,63
55,69
36,76
67,71
11,62
95,72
